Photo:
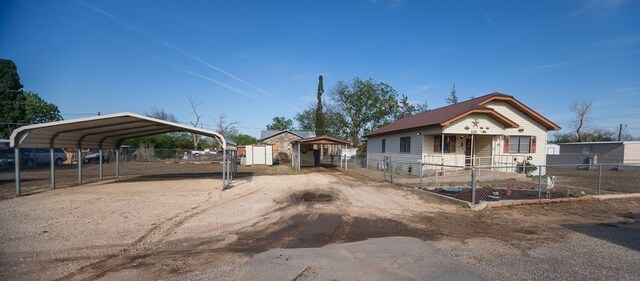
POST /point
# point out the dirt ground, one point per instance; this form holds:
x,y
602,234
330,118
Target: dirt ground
x,y
39,179
315,225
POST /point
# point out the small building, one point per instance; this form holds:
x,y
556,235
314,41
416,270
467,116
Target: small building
x,y
553,149
257,154
491,130
318,151
608,152
281,142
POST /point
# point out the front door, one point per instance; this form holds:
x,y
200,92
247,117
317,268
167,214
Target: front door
x,y
316,157
467,152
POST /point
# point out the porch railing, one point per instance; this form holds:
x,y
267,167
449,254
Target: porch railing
x,y
500,161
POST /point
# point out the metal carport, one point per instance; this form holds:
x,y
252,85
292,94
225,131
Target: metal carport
x,y
107,132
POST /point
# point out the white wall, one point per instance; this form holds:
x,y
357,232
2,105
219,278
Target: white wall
x,y
374,147
529,126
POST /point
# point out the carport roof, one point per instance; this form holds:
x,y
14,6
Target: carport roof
x,y
105,131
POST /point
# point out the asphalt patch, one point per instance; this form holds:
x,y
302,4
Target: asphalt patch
x,y
317,230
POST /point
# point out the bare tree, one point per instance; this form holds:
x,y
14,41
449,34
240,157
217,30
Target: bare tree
x,y
225,127
194,110
159,113
582,111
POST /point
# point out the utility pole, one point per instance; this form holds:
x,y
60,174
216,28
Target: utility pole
x,y
620,132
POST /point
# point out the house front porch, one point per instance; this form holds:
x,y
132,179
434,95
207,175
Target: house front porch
x,y
468,150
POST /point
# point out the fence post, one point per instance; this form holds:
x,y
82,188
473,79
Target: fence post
x,y
539,181
391,170
473,186
421,173
599,179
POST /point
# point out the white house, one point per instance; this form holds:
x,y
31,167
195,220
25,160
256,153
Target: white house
x,y
491,130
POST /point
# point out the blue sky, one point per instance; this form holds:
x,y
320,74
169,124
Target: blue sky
x,y
254,60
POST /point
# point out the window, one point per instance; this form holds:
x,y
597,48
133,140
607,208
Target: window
x,y
405,144
449,144
384,145
519,144
586,150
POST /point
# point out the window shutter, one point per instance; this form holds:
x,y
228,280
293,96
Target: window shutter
x,y
505,145
532,149
436,144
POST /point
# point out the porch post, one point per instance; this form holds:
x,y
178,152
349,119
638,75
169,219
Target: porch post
x,y
472,157
299,156
442,150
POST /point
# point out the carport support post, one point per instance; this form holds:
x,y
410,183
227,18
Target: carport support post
x,y
117,162
79,152
16,158
224,171
100,177
53,168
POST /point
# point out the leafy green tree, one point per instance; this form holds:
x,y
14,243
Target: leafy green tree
x,y
333,121
280,123
40,111
453,96
405,108
244,139
12,99
365,105
320,122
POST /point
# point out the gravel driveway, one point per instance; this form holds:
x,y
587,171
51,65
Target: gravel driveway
x,y
317,225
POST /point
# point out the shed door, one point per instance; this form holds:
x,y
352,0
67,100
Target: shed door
x,y
269,155
259,153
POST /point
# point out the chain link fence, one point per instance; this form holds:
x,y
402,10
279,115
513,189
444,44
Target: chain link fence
x,y
496,183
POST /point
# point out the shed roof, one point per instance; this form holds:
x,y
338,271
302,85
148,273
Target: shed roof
x,y
443,116
105,131
600,142
321,140
265,134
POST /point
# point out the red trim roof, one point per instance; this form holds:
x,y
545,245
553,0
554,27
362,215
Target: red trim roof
x,y
445,115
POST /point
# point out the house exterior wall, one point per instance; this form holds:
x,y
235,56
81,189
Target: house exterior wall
x,y
374,147
631,153
282,149
529,128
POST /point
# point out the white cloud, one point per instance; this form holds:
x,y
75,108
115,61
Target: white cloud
x,y
489,19
422,88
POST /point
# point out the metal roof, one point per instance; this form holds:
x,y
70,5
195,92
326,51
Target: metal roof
x,y
321,140
105,131
265,134
599,142
443,116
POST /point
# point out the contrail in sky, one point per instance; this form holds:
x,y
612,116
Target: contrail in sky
x,y
191,56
